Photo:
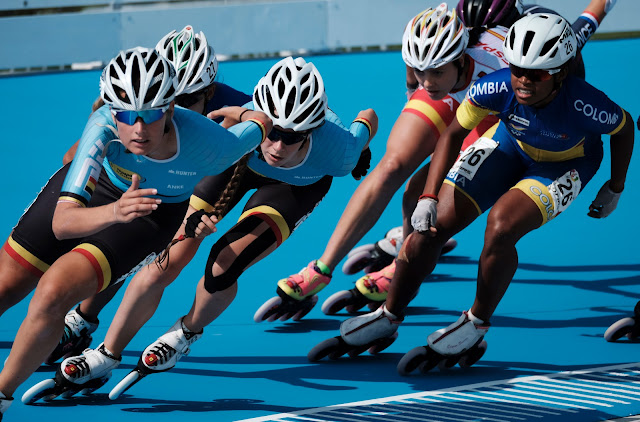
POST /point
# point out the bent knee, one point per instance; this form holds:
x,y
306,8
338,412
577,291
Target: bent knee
x,y
393,170
51,299
500,229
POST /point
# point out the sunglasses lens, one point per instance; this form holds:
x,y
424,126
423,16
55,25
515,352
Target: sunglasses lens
x,y
534,75
287,138
129,117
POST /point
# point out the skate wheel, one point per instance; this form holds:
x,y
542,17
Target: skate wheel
x,y
307,308
358,261
333,348
473,355
382,344
368,247
445,364
267,310
285,317
412,360
354,307
38,391
620,328
68,394
336,302
357,351
449,246
126,383
373,306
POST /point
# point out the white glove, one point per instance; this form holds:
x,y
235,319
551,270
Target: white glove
x,y
608,5
425,215
606,201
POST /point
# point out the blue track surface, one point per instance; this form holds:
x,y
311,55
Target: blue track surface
x,y
576,276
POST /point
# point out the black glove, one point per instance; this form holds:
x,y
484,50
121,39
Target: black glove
x,y
192,222
364,162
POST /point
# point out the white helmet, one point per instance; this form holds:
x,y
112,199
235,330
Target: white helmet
x,y
434,38
292,95
138,79
540,41
191,56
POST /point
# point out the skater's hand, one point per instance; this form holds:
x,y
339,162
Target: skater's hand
x,y
231,115
200,224
364,162
425,215
135,202
605,203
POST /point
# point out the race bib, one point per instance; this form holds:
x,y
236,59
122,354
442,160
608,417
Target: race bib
x,y
472,158
564,190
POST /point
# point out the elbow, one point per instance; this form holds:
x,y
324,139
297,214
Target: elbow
x,y
59,229
372,117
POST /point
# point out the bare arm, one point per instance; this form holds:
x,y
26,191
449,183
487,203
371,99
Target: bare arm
x,y
71,152
234,114
371,116
444,156
621,150
70,220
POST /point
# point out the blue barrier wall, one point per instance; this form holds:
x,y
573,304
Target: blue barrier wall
x,y
237,29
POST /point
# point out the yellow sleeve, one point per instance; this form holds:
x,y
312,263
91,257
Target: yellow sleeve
x,y
470,115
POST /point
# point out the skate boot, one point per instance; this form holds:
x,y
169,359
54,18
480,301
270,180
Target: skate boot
x,y
76,337
374,332
296,295
85,373
375,256
159,356
625,327
370,290
460,343
5,402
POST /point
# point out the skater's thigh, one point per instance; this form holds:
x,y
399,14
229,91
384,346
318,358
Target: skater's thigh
x,y
411,141
16,281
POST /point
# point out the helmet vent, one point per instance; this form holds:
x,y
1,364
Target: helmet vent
x,y
288,73
197,66
304,94
281,88
291,101
305,114
528,38
512,36
548,46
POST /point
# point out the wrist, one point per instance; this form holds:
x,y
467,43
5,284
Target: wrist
x,y
412,85
616,187
428,196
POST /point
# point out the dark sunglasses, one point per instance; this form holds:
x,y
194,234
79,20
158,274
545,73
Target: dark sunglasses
x,y
129,117
534,75
287,138
187,100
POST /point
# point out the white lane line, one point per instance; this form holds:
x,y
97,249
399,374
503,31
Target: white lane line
x,y
571,392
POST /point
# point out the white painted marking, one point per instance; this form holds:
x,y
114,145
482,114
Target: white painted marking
x,y
520,398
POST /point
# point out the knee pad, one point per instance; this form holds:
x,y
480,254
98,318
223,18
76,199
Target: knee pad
x,y
225,280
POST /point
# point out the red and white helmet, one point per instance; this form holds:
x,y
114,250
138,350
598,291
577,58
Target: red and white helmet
x,y
434,38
